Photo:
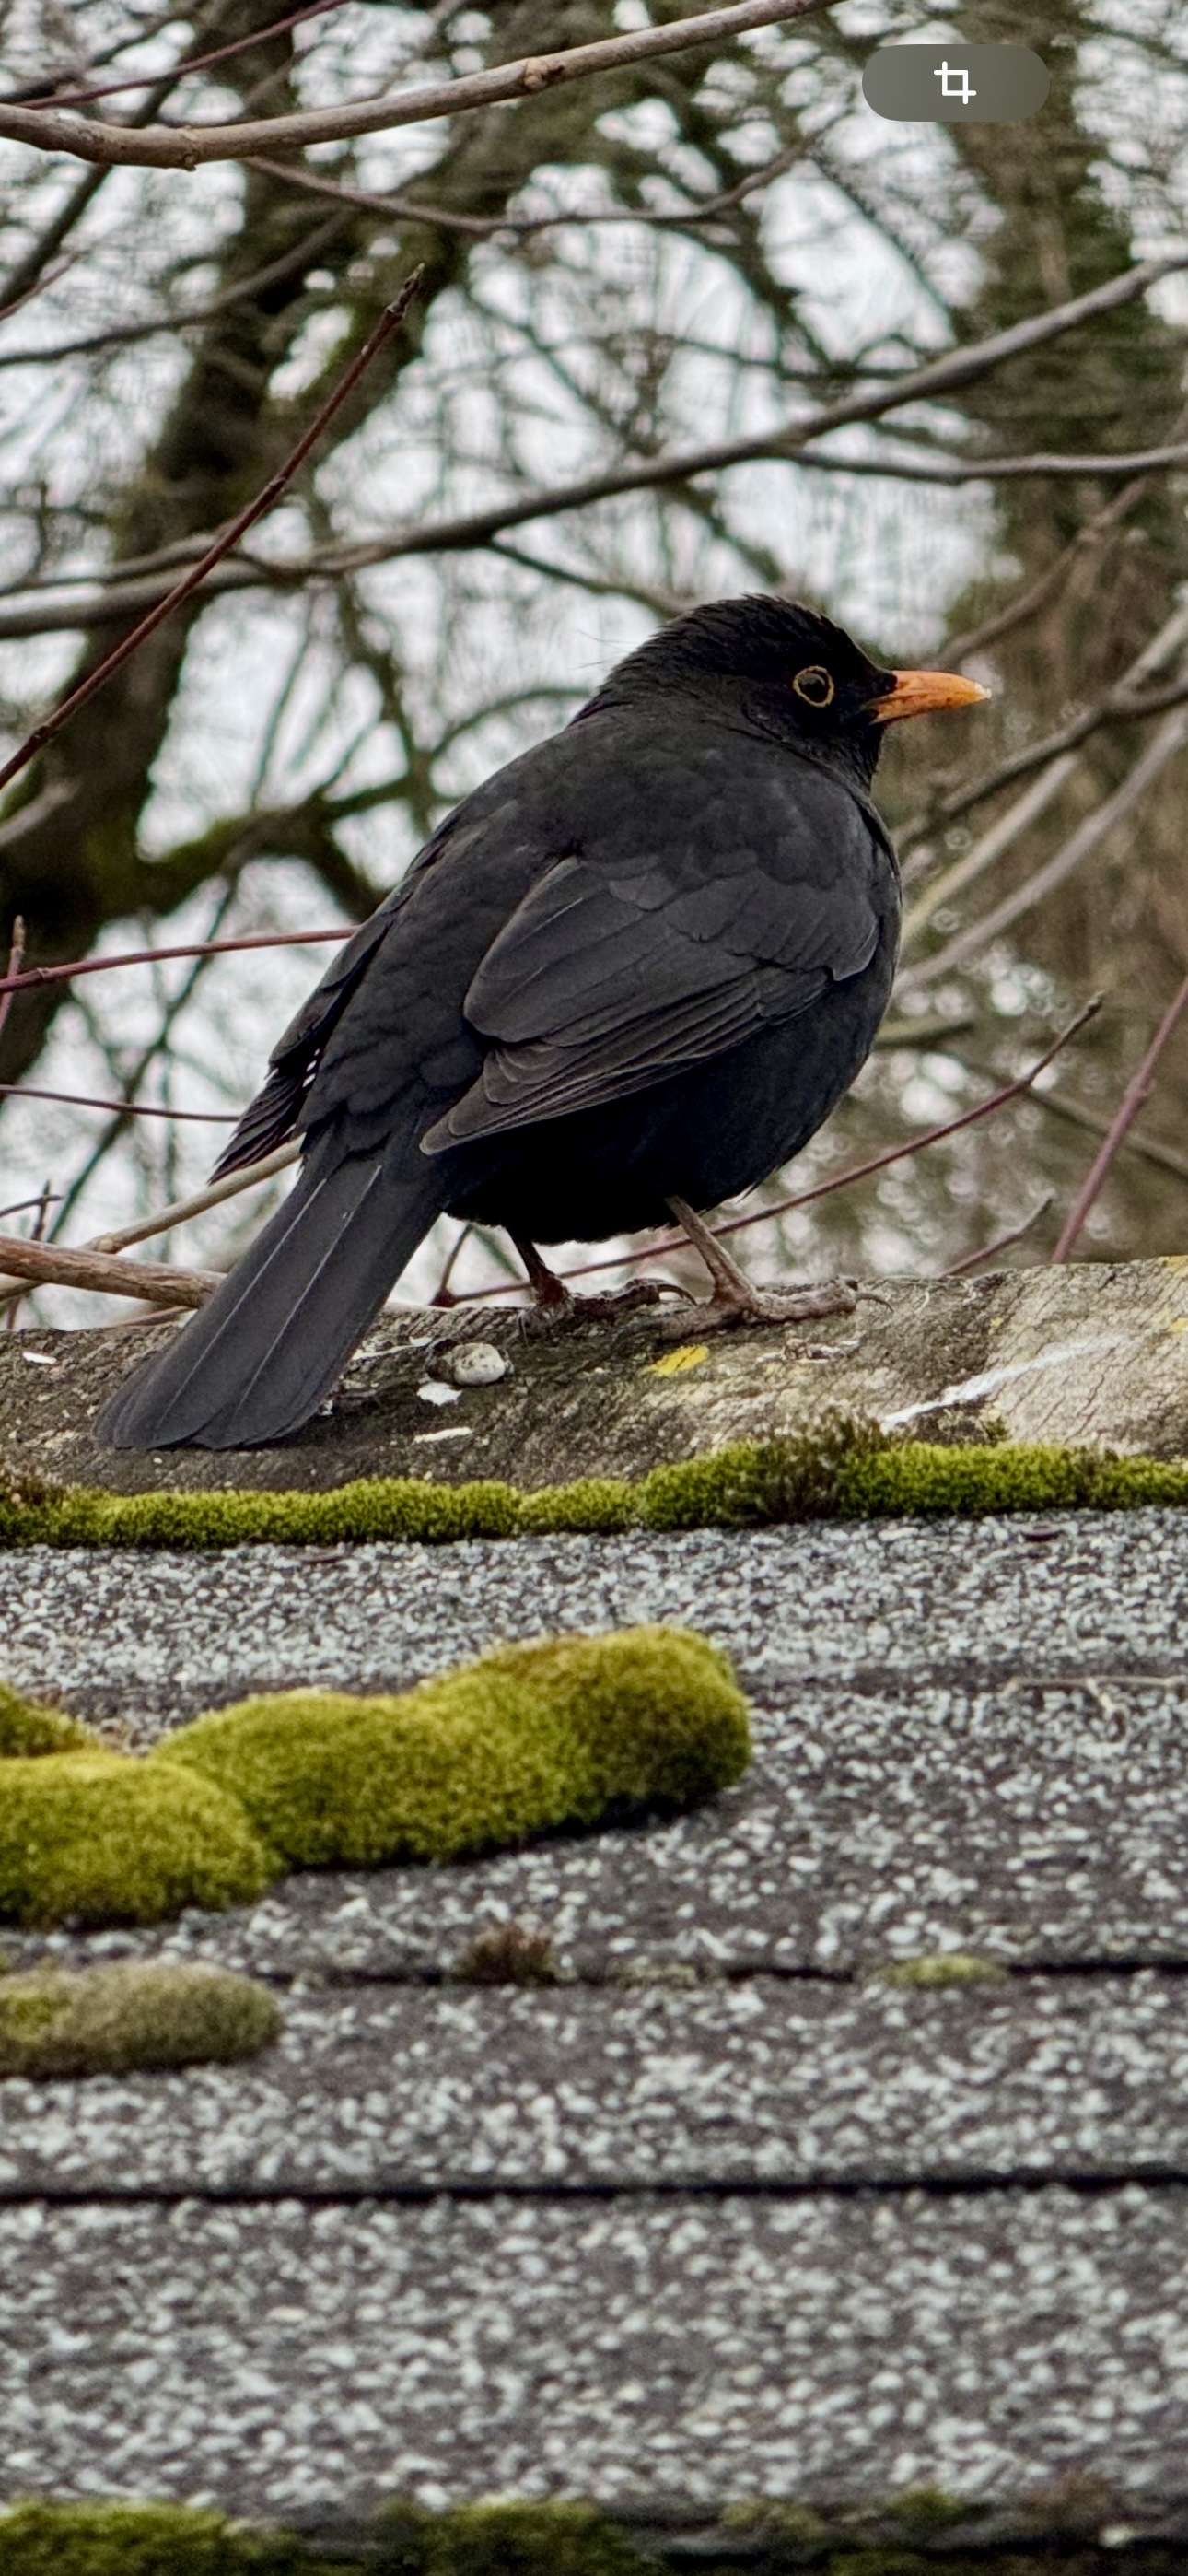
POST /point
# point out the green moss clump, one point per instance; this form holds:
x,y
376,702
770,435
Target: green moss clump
x,y
140,2540
95,1838
528,1738
942,1968
597,1506
27,1729
754,1483
534,2540
919,1476
137,2014
840,1468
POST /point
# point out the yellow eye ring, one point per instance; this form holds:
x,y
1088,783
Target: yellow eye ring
x,y
815,686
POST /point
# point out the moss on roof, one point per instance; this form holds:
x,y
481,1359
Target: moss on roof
x,y
140,2540
528,1738
561,2539
569,1730
27,1728
844,1468
95,1838
136,2013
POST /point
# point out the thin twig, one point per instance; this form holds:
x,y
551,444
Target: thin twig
x,y
1003,832
45,1201
55,97
164,1219
1123,702
1138,1090
212,1196
475,530
73,966
1002,1242
123,1108
1027,603
183,147
19,1205
16,959
123,335
51,1265
1170,738
1163,1158
482,227
95,680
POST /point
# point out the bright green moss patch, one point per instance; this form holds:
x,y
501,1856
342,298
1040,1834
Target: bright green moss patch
x,y
528,1738
95,1838
26,1728
568,1731
843,1468
138,2013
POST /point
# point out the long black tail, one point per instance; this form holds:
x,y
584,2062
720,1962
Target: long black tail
x,y
257,1361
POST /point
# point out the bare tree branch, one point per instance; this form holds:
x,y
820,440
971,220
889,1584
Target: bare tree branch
x,y
66,973
940,376
51,1265
122,1108
1170,738
255,509
58,97
1002,1242
517,227
183,147
1122,702
1138,1090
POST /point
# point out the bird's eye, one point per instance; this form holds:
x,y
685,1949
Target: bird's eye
x,y
814,686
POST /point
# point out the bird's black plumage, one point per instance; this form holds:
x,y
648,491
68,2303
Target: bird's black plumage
x,y
641,962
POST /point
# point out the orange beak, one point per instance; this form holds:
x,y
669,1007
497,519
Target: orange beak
x,y
918,693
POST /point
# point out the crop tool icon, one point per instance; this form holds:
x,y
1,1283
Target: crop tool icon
x,y
946,73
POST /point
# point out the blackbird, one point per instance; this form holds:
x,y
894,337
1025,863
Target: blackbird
x,y
625,979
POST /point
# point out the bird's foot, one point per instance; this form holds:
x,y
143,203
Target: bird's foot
x,y
737,1302
554,1304
751,1305
555,1314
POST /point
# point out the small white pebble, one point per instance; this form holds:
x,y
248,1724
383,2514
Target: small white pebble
x,y
475,1364
433,1392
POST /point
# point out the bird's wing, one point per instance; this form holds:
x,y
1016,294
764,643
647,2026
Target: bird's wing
x,y
607,980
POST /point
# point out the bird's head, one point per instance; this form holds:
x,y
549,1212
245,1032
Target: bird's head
x,y
783,669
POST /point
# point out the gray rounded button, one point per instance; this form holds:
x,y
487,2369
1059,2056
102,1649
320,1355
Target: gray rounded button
x,y
955,84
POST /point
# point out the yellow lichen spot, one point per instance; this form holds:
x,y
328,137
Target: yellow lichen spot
x,y
1173,1260
689,1356
1178,1324
942,1968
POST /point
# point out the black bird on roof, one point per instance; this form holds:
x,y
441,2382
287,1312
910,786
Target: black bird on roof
x,y
627,978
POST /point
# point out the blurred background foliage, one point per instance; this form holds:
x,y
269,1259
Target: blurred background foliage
x,y
615,272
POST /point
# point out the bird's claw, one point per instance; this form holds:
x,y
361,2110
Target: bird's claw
x,y
557,1314
727,1310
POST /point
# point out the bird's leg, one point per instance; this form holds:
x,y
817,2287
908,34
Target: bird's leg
x,y
555,1304
736,1301
550,1294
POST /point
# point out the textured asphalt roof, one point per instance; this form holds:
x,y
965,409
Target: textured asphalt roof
x,y
723,2213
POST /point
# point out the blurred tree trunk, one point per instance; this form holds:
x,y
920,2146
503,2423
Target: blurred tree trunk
x,y
69,855
1121,922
